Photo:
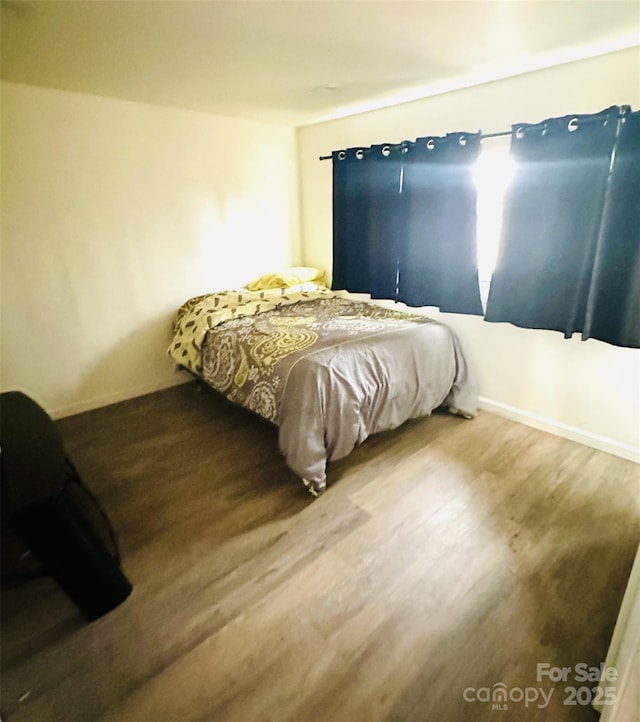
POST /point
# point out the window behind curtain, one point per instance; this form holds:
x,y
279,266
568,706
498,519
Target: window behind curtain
x,y
493,173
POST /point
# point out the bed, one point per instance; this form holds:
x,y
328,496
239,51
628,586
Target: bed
x,y
328,370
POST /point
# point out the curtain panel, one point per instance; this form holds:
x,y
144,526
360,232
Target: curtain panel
x,y
351,247
367,219
613,303
438,260
404,222
570,229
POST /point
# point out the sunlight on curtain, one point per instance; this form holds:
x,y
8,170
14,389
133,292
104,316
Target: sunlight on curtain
x,y
493,173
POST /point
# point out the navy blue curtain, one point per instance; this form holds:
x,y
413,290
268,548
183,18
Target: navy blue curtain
x,y
613,303
368,219
553,223
438,260
404,222
351,246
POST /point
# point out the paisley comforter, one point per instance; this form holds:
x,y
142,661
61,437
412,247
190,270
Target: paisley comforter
x,y
327,370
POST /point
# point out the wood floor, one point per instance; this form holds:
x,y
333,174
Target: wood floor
x,y
447,555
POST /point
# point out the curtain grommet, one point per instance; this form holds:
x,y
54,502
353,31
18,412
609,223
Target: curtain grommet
x,y
359,154
572,125
520,133
430,144
462,140
386,151
342,155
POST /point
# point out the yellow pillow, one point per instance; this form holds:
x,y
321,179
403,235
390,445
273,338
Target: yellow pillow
x,y
287,278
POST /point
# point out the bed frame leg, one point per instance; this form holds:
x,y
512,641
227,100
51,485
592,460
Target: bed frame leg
x,y
315,488
456,412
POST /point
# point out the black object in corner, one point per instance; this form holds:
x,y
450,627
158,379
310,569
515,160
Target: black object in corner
x,y
46,504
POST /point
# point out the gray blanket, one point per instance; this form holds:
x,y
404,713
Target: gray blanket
x,y
330,372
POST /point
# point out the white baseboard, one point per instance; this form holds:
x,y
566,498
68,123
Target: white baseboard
x,y
98,402
602,443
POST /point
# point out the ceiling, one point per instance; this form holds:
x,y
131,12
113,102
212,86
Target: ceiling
x,y
297,61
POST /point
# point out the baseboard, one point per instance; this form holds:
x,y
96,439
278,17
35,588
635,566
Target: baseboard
x,y
98,402
602,443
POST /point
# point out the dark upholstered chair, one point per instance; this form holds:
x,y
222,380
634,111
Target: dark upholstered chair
x,y
53,513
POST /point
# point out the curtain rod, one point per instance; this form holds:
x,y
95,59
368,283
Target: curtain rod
x,y
621,112
395,145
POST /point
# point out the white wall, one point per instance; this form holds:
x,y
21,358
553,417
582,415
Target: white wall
x,y
113,214
589,391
